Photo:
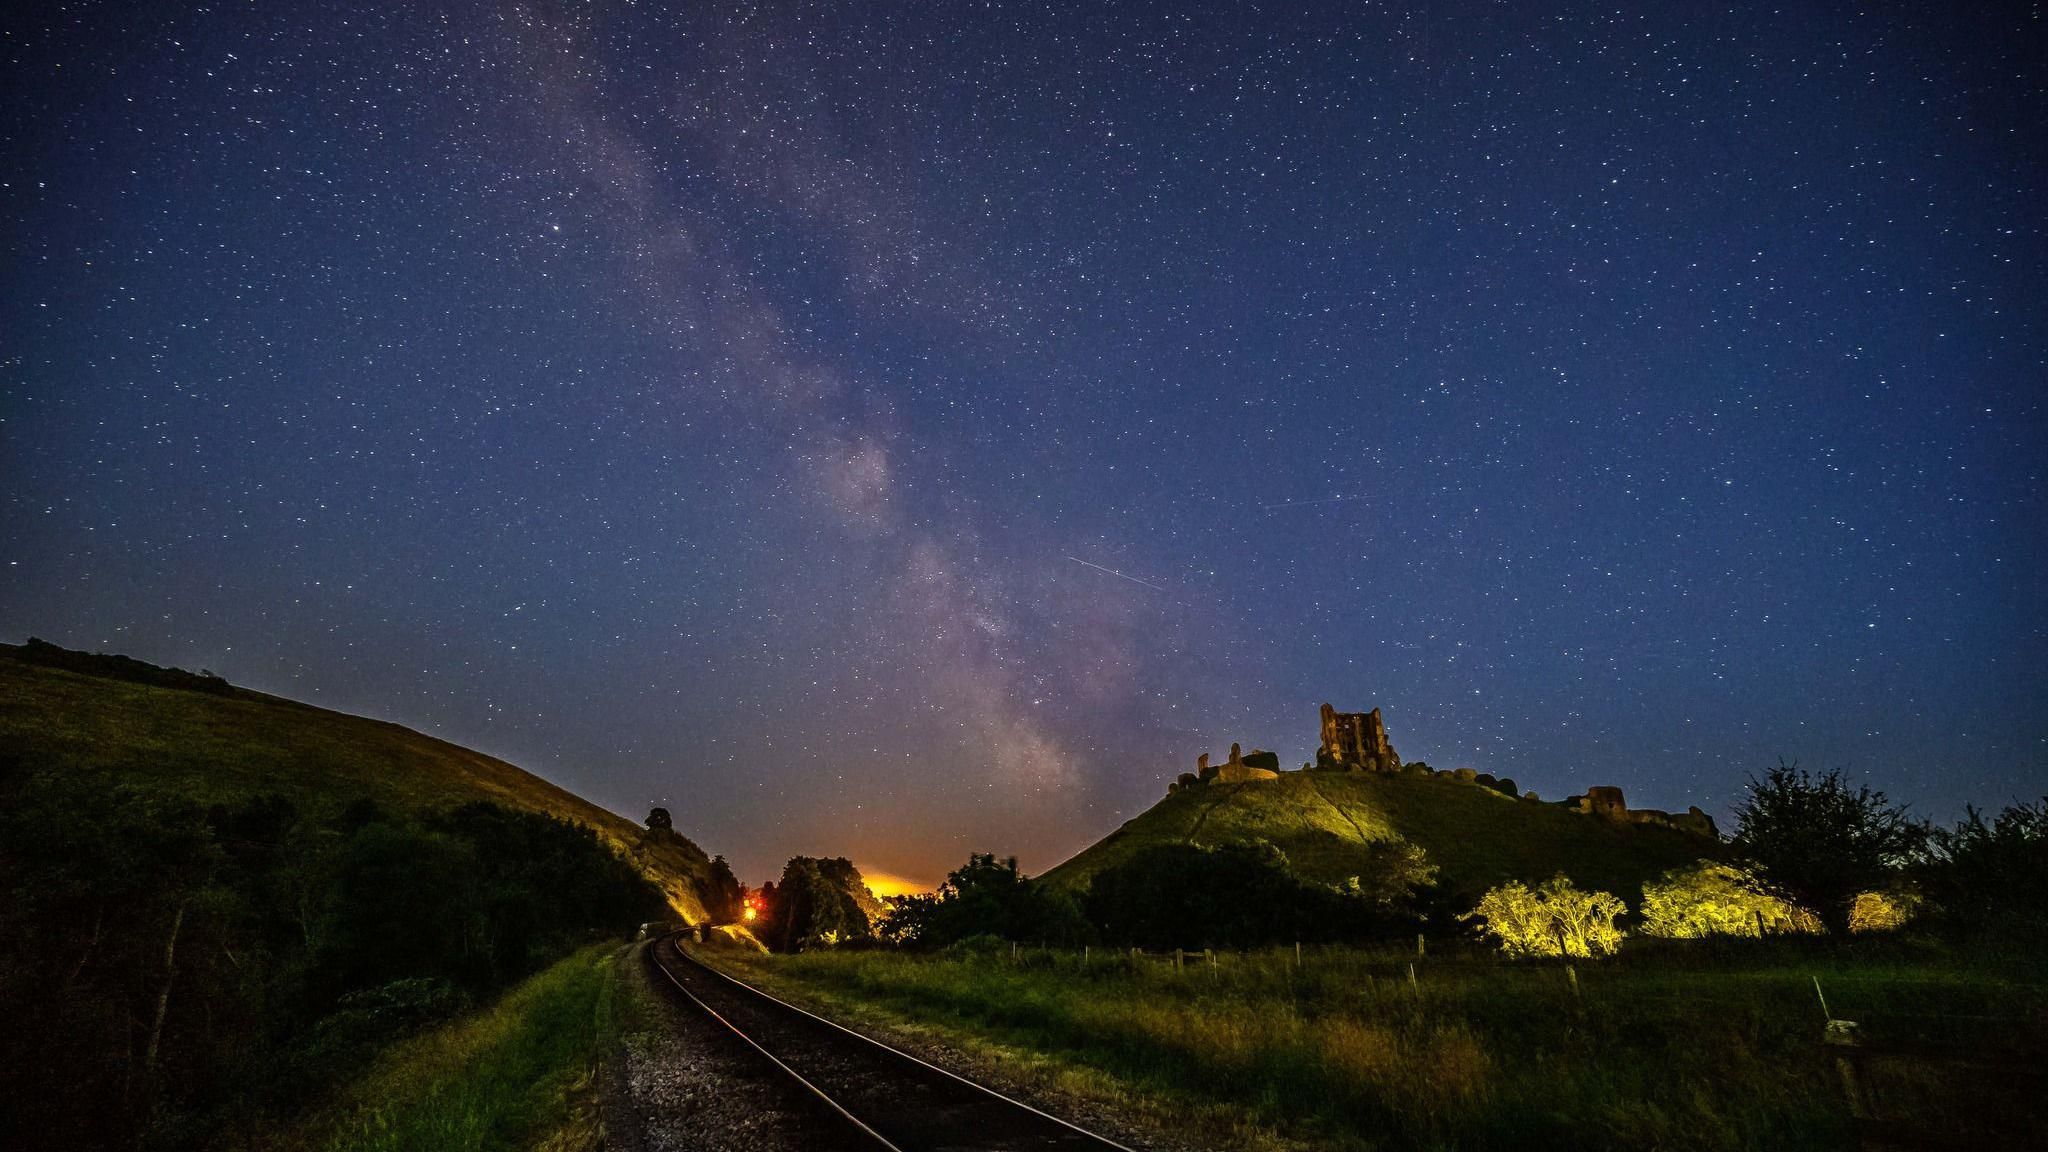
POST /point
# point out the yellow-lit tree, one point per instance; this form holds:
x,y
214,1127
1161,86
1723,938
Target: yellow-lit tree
x,y
1712,900
1555,919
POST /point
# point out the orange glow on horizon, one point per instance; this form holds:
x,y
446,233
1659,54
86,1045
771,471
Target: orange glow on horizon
x,y
887,884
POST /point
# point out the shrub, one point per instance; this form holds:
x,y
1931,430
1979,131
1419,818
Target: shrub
x,y
1553,920
1710,900
1882,911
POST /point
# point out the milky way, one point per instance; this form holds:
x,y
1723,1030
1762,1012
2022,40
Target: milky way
x,y
901,430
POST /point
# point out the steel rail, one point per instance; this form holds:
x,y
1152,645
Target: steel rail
x,y
675,945
820,1093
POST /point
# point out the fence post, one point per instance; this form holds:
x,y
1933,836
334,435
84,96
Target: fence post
x,y
1419,951
1841,1036
1176,959
1571,975
1084,956
1297,955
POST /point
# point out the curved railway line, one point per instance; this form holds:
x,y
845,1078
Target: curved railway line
x,y
884,1098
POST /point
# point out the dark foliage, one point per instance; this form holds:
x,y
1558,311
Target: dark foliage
x,y
818,902
170,973
724,895
1814,841
1987,879
49,655
658,820
1240,896
986,897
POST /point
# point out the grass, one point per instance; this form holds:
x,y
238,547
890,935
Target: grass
x,y
1346,1053
521,1074
1323,820
230,746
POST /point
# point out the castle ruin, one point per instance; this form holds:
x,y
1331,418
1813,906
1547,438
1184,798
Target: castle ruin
x,y
1356,742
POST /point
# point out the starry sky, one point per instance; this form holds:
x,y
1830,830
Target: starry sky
x,y
904,429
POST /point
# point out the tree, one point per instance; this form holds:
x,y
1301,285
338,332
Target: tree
x,y
1710,900
985,897
1817,843
1986,876
723,892
1553,920
819,902
658,820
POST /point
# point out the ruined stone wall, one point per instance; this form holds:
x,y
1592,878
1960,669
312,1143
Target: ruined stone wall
x,y
1606,802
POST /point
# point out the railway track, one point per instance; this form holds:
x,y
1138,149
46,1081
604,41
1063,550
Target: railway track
x,y
887,1099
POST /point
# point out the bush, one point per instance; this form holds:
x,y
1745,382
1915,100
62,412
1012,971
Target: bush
x,y
1553,920
224,963
1711,900
1245,895
1984,878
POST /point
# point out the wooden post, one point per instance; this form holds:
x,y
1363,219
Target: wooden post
x,y
1013,951
1084,956
1176,959
1840,1037
1571,975
1419,950
1211,954
1412,982
1297,955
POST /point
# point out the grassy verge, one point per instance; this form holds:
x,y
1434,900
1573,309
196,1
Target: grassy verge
x,y
521,1074
1345,1052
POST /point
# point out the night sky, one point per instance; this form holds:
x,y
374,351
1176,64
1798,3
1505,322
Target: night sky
x,y
897,430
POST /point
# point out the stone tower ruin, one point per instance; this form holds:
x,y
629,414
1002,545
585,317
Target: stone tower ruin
x,y
1356,742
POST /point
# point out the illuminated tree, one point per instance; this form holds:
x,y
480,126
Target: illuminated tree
x,y
1815,842
1553,920
1882,911
1711,900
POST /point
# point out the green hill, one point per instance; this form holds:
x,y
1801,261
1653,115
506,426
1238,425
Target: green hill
x,y
163,731
1477,836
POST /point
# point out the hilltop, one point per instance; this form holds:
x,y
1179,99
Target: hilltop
x,y
193,735
1476,833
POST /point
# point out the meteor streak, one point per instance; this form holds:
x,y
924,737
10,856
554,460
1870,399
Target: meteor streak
x,y
1299,503
1115,573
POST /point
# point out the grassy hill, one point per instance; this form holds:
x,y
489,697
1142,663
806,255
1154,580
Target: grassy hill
x,y
1478,837
163,731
